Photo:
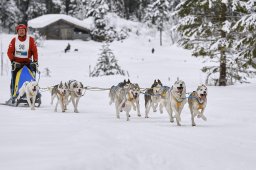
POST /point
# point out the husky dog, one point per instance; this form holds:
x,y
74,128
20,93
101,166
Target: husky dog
x,y
134,97
62,93
152,97
30,89
76,91
53,90
197,101
119,95
178,100
165,93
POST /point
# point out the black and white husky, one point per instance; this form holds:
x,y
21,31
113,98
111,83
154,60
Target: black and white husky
x,y
62,93
30,89
152,97
75,89
125,96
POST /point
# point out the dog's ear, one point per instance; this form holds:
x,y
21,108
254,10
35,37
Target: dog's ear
x,y
124,81
128,81
154,81
159,82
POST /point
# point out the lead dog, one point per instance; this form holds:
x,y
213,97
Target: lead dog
x,y
152,97
178,100
30,89
198,101
75,89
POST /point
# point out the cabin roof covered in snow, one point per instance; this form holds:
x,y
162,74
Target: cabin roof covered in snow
x,y
45,20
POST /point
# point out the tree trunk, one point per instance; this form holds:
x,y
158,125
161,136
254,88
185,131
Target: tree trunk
x,y
223,67
23,6
161,36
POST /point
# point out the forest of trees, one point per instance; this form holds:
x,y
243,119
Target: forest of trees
x,y
220,31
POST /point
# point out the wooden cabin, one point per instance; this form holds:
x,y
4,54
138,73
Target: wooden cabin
x,y
60,27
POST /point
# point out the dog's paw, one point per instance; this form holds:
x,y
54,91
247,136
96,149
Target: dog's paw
x,y
32,108
118,117
76,111
55,110
204,118
193,124
171,120
139,115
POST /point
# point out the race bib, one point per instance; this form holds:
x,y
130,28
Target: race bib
x,y
21,48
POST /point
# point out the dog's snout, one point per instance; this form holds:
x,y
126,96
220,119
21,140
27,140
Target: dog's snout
x,y
180,85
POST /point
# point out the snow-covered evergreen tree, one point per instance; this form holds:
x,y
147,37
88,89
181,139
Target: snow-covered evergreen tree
x,y
246,46
23,6
80,9
98,9
53,6
10,14
107,63
158,14
36,9
206,27
117,6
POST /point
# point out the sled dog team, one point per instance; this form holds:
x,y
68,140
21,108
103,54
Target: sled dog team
x,y
125,95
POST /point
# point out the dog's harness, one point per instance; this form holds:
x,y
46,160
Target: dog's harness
x,y
130,97
178,102
200,104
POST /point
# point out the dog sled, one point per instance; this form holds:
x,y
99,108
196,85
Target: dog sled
x,y
24,74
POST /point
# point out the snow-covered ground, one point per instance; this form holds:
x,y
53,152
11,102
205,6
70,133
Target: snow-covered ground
x,y
95,140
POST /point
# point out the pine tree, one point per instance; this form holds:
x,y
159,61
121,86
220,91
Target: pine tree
x,y
205,27
23,6
10,15
158,14
53,6
107,63
98,9
36,9
117,6
246,46
80,9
